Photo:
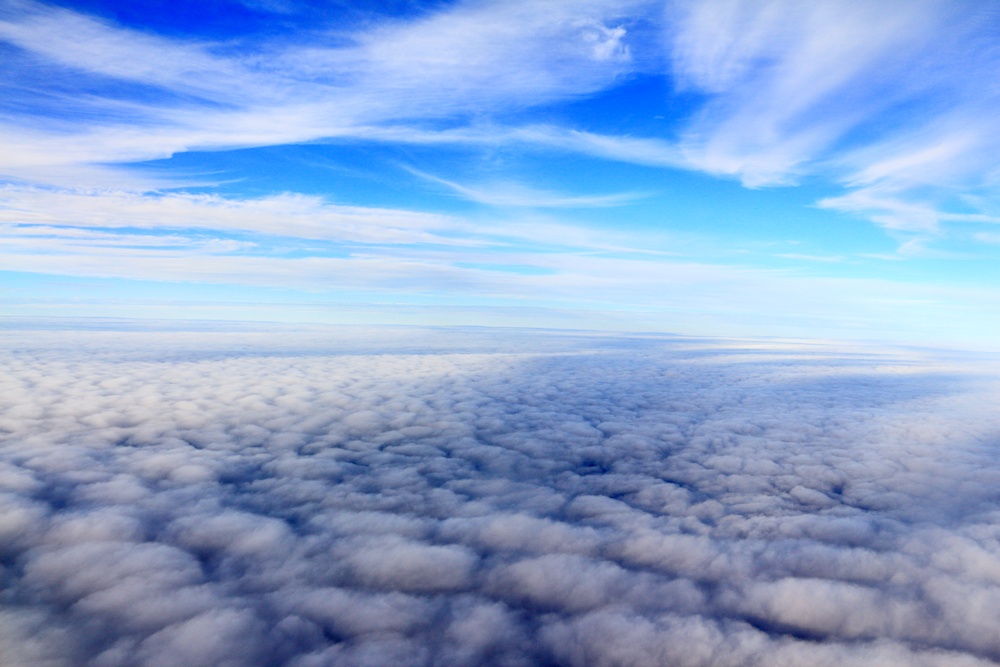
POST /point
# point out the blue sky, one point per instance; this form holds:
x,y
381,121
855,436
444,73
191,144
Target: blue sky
x,y
713,167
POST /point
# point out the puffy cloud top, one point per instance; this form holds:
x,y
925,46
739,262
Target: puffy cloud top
x,y
353,497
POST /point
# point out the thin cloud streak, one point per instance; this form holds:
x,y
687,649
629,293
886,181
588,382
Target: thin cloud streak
x,y
296,219
518,195
290,215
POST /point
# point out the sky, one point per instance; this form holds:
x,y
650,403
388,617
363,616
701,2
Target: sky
x,y
571,333
705,167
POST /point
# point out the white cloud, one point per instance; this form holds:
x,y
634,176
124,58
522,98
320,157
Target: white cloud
x,y
478,55
858,92
351,496
290,215
788,79
891,104
517,195
469,59
86,45
570,272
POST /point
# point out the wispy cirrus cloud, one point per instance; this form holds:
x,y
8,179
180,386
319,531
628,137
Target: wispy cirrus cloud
x,y
890,104
507,194
881,106
90,47
291,215
471,59
884,102
786,81
647,151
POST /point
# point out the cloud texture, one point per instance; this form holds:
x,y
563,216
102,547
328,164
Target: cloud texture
x,y
887,105
350,497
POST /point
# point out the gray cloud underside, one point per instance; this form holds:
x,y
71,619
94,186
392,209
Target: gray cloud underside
x,y
226,498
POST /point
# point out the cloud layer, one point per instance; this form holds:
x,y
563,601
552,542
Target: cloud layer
x,y
351,497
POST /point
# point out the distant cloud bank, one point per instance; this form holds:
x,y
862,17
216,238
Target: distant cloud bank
x,y
478,497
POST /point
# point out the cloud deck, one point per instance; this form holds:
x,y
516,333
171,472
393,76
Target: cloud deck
x,y
476,497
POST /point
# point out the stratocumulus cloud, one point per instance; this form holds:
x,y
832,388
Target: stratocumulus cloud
x,y
476,497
